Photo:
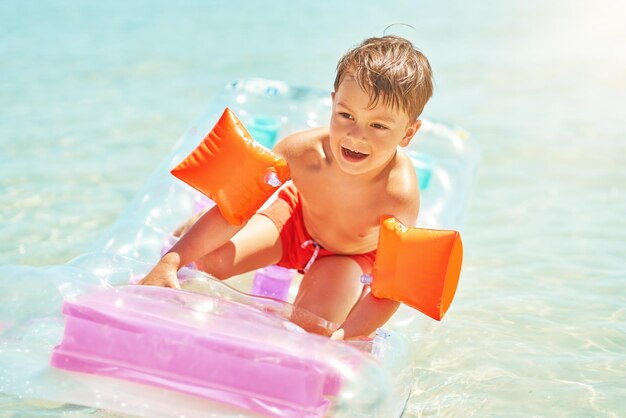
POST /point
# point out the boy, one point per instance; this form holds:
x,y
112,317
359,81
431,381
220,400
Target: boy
x,y
325,222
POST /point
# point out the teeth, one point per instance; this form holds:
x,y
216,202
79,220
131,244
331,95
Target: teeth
x,y
353,153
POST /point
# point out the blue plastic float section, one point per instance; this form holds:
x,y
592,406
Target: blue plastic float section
x,y
376,382
264,129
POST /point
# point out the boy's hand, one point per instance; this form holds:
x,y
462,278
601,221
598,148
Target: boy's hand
x,y
163,274
337,335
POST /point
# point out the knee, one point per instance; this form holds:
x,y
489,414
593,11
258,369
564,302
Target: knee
x,y
217,263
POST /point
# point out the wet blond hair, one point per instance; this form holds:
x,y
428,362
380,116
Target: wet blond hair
x,y
390,69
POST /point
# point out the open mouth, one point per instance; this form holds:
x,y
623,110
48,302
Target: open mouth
x,y
351,155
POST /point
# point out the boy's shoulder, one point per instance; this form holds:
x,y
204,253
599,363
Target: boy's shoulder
x,y
303,146
303,140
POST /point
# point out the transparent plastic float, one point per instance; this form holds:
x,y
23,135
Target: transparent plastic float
x,y
221,352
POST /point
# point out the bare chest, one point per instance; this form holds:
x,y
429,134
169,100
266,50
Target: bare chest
x,y
343,218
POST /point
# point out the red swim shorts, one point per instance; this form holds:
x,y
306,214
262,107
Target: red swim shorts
x,y
299,249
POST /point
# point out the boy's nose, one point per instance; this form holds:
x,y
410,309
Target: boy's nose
x,y
357,132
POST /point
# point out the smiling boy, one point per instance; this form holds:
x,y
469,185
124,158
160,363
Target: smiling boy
x,y
325,222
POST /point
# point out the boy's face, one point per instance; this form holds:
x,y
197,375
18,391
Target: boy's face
x,y
364,139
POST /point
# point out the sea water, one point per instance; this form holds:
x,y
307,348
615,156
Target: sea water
x,y
94,94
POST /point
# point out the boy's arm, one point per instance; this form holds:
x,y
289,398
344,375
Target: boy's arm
x,y
371,312
368,314
208,233
226,145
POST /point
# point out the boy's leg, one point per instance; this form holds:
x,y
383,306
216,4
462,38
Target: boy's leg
x,y
331,287
256,245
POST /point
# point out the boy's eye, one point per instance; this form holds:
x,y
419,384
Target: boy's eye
x,y
345,115
378,126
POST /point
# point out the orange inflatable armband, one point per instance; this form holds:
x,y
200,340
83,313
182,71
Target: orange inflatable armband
x,y
418,267
233,170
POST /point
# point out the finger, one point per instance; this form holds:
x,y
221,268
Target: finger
x,y
337,335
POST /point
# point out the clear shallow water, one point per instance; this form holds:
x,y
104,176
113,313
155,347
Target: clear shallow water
x,y
93,95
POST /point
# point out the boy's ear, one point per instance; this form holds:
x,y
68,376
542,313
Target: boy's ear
x,y
410,133
332,96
